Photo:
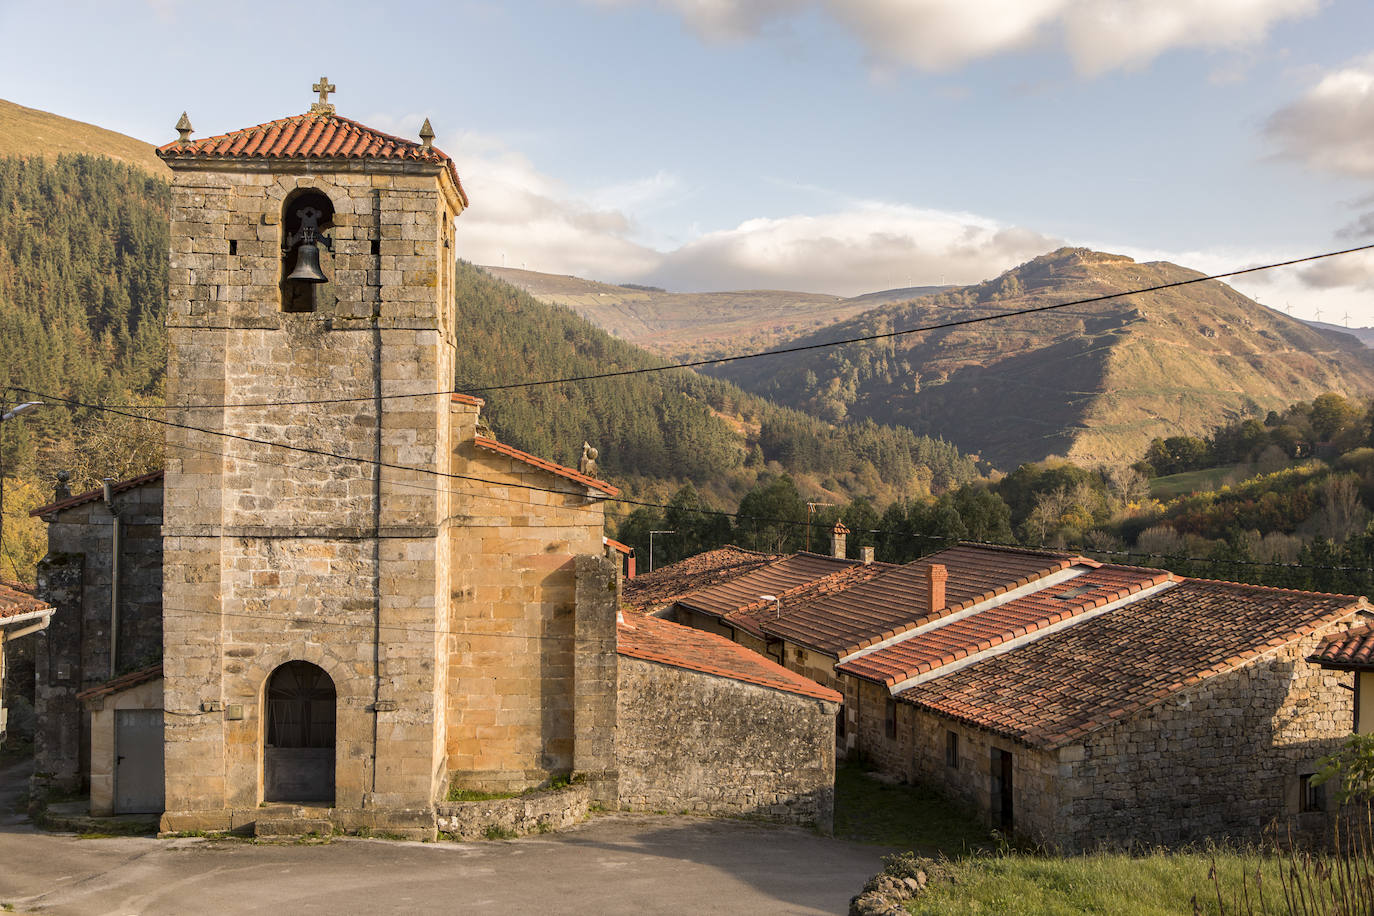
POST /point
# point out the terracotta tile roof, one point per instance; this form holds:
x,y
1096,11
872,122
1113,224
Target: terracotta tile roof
x,y
122,683
313,135
467,399
655,640
669,583
19,600
526,458
1352,650
991,627
618,547
1065,685
775,578
98,493
755,617
899,600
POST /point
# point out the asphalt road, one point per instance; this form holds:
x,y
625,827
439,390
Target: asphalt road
x,y
611,864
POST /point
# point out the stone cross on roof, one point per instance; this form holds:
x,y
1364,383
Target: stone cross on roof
x,y
323,87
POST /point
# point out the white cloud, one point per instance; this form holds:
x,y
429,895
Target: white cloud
x,y
866,248
1098,35
1331,126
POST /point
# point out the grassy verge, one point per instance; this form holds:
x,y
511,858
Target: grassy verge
x,y
916,817
1158,884
1203,481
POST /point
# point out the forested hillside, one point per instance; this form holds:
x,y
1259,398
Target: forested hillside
x,y
83,278
658,430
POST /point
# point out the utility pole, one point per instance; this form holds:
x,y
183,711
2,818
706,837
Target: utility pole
x,y
651,543
8,415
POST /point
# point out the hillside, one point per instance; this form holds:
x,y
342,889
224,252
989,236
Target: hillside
x,y
1363,335
658,430
1092,383
685,326
30,132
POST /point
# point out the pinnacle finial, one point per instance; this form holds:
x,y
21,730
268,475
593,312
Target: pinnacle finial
x,y
323,87
184,129
426,135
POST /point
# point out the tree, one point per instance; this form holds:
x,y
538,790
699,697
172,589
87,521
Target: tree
x,y
772,517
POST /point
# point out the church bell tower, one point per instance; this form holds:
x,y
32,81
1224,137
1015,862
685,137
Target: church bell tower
x,y
311,352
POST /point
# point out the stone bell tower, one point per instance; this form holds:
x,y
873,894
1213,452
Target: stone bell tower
x,y
306,582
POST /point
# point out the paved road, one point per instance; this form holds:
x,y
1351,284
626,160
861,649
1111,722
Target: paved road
x,y
612,864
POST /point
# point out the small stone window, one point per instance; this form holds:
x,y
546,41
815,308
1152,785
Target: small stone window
x,y
307,255
952,749
1310,797
891,718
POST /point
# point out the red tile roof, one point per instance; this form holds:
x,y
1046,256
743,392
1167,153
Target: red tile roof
x,y
668,583
775,578
1352,650
558,469
122,683
986,629
314,135
757,616
98,493
899,600
19,600
655,640
1065,685
467,399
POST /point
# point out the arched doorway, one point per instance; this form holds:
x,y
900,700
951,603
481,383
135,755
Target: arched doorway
x,y
298,739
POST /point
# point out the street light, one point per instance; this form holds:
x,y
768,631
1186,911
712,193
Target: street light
x,y
9,415
651,543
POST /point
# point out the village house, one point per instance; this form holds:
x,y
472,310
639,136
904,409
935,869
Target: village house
x,y
343,598
1074,702
21,613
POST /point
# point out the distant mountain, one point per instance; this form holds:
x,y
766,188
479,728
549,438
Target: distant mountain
x,y
1093,383
1363,335
686,326
30,132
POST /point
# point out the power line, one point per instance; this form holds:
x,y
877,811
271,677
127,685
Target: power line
x,y
781,351
734,516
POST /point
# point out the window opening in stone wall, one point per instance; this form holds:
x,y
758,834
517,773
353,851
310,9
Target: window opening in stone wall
x,y
376,247
1310,797
952,749
307,250
233,246
299,732
891,718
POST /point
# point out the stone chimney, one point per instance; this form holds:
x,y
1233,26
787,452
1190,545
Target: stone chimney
x,y
837,539
866,554
936,575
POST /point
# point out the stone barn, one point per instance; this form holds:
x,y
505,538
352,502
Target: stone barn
x,y
1075,702
362,599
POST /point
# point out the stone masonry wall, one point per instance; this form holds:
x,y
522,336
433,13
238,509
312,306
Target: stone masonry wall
x,y
1221,758
696,742
73,653
511,662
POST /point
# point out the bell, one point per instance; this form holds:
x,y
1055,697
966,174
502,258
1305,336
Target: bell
x,y
308,264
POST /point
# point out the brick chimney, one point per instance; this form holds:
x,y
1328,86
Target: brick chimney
x,y
866,554
837,540
936,575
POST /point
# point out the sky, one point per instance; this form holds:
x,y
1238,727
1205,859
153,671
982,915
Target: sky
x,y
836,146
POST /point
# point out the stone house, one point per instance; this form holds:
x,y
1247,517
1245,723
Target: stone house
x,y
362,600
21,613
1082,703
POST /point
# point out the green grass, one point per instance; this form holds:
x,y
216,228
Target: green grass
x,y
456,794
910,816
1188,482
1158,884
